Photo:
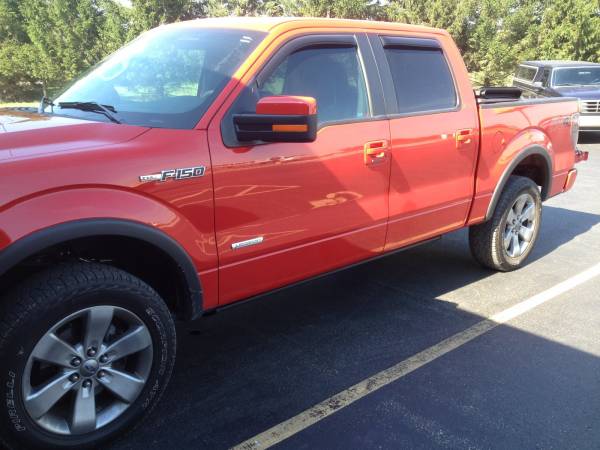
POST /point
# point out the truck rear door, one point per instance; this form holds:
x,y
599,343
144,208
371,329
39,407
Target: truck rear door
x,y
435,134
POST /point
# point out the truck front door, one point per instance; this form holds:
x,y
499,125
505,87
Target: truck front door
x,y
287,211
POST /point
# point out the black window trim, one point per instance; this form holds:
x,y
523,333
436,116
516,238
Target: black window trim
x,y
410,42
381,41
549,79
369,67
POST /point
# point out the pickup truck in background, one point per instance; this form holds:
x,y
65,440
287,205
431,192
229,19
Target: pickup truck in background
x,y
216,160
575,79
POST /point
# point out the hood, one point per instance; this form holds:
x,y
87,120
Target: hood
x,y
580,92
25,133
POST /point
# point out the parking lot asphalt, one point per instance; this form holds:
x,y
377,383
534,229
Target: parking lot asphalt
x,y
531,382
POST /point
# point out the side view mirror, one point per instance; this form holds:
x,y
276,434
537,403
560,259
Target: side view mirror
x,y
538,84
281,118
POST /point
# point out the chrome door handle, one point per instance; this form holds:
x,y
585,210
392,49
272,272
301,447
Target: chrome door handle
x,y
375,150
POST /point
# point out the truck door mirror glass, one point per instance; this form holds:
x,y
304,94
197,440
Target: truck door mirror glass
x,y
281,118
538,84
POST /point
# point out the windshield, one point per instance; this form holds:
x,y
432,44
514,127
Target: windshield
x,y
581,76
166,78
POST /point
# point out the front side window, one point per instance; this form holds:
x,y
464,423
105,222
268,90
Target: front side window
x,y
582,76
333,76
167,78
422,79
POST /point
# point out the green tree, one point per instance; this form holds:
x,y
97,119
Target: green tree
x,y
114,28
349,9
11,22
571,31
17,82
64,34
16,54
492,35
147,14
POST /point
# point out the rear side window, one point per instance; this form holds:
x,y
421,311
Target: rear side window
x,y
526,73
422,79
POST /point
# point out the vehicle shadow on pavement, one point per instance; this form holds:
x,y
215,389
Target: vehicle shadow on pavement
x,y
560,226
244,370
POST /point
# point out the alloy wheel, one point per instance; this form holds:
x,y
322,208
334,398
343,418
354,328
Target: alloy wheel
x,y
87,370
520,226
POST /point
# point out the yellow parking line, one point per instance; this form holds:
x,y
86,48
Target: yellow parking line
x,y
339,401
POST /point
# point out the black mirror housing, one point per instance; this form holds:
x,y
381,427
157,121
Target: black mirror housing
x,y
275,128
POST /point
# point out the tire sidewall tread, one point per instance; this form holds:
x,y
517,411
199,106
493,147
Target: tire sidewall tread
x,y
32,308
485,240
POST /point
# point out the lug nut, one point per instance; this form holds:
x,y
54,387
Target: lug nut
x,y
104,359
74,378
75,362
101,373
87,384
91,352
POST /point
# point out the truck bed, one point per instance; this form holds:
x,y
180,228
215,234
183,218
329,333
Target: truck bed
x,y
508,126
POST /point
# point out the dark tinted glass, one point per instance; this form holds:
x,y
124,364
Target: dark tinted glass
x,y
526,73
167,78
422,79
582,76
333,76
545,77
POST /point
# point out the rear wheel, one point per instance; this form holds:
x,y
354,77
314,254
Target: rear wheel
x,y
506,240
86,350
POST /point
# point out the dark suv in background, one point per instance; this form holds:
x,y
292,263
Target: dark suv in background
x,y
564,79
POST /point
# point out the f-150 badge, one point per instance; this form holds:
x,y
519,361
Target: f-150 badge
x,y
175,174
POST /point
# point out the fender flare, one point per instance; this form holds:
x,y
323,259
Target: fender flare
x,y
56,234
532,150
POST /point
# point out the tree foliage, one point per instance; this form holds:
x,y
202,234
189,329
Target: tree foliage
x,y
44,44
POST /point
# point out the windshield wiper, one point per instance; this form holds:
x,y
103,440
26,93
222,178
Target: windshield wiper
x,y
106,110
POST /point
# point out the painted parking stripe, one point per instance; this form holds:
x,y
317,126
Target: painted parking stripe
x,y
339,401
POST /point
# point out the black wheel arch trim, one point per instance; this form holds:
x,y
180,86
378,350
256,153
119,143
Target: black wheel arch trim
x,y
546,189
29,245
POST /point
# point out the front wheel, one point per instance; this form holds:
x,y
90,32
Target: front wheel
x,y
505,241
86,350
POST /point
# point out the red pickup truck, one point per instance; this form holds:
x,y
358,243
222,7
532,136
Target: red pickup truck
x,y
215,160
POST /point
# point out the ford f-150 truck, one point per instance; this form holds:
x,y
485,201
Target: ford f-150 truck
x,y
216,160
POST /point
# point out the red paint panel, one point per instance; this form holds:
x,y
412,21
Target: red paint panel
x,y
479,208
101,180
287,105
507,131
270,271
433,165
304,199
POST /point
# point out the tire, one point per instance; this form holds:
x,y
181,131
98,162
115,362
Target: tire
x,y
125,327
490,242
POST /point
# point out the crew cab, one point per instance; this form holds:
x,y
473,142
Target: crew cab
x,y
576,79
213,161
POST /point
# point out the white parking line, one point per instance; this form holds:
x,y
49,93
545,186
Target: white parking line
x,y
339,401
